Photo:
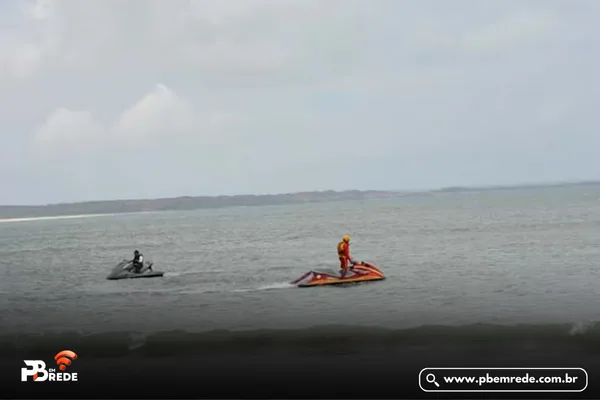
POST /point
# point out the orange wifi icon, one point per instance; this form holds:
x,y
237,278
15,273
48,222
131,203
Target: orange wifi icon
x,y
63,359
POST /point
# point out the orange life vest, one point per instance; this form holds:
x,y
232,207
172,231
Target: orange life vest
x,y
341,249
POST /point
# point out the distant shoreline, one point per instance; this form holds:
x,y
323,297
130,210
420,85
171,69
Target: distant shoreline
x,y
111,207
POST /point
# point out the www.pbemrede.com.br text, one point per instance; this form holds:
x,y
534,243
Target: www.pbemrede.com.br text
x,y
503,380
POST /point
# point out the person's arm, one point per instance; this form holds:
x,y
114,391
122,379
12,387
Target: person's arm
x,y
141,260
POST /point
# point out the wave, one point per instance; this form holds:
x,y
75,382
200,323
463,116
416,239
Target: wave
x,y
583,336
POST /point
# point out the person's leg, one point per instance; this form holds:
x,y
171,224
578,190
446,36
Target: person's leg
x,y
343,266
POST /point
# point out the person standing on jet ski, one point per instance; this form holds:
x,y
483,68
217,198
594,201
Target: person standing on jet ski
x,y
343,249
138,261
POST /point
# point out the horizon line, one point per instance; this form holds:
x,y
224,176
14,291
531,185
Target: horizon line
x,y
391,191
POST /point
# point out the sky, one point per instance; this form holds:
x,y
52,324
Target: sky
x,y
120,99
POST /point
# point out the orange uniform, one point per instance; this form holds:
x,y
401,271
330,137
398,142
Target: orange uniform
x,y
343,250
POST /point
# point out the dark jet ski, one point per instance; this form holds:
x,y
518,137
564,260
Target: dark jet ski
x,y
124,270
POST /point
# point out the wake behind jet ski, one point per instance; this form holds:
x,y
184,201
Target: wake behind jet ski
x,y
130,269
360,272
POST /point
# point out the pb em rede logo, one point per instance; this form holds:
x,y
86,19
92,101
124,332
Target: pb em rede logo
x,y
37,369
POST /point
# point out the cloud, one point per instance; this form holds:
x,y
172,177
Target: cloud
x,y
509,31
521,28
251,38
207,97
66,127
160,115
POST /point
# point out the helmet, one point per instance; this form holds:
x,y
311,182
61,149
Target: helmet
x,y
346,238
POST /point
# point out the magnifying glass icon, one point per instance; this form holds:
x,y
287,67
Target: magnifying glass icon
x,y
430,378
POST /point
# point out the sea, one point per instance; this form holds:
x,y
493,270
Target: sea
x,y
496,268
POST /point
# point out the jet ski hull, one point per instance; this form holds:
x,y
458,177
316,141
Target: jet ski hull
x,y
133,275
123,271
364,272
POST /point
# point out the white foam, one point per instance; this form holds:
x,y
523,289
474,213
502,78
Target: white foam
x,y
581,327
280,285
271,286
54,217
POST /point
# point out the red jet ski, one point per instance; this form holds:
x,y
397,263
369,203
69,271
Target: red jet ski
x,y
360,272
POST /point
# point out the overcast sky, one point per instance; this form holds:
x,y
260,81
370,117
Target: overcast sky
x,y
154,98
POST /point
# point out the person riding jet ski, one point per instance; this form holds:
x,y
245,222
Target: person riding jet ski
x,y
138,261
343,249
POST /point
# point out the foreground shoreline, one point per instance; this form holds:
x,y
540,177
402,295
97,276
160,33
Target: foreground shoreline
x,y
15,213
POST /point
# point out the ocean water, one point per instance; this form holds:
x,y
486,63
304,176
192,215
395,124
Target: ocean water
x,y
497,278
502,257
